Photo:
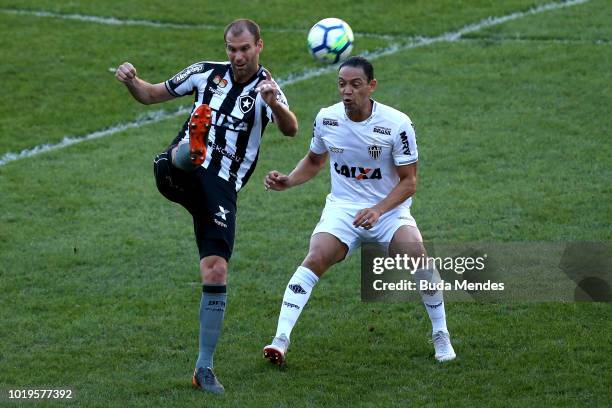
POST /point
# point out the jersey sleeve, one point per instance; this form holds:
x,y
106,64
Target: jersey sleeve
x,y
404,145
280,97
182,83
316,144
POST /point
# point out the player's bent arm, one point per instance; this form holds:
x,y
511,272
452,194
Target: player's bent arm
x,y
147,93
402,191
307,168
142,91
285,119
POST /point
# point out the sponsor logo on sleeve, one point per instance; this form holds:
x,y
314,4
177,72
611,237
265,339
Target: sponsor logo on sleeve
x,y
405,146
184,74
330,122
382,130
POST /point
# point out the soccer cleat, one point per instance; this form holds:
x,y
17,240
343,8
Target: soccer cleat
x,y
276,351
199,125
443,346
205,380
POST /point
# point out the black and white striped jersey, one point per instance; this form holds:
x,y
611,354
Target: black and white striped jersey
x,y
239,117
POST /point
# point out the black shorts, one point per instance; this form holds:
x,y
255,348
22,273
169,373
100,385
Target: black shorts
x,y
210,200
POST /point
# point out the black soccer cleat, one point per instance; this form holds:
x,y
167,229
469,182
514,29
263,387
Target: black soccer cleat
x,y
205,379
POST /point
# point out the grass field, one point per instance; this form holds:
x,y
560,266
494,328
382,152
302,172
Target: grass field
x,y
98,273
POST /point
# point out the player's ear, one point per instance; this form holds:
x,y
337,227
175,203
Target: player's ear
x,y
259,44
372,85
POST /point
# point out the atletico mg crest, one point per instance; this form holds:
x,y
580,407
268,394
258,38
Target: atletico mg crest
x,y
374,151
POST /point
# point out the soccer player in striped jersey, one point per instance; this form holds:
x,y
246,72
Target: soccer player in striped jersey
x,y
213,157
373,157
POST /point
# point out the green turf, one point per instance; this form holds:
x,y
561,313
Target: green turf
x,y
419,17
99,273
588,22
60,86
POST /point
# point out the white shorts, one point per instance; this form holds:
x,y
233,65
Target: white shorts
x,y
337,219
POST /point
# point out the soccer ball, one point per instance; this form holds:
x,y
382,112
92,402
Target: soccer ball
x,y
330,40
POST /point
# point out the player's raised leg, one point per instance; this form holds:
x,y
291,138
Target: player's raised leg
x,y
408,240
199,125
325,250
190,153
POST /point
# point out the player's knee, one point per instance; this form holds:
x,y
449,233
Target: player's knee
x,y
163,174
414,250
407,240
317,262
213,270
181,158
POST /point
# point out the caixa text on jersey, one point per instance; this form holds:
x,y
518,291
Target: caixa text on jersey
x,y
359,173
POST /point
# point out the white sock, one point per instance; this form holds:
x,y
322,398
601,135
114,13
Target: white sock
x,y
296,295
433,300
437,315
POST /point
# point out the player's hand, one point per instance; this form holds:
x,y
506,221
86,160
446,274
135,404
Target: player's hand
x,y
126,73
268,89
366,218
277,181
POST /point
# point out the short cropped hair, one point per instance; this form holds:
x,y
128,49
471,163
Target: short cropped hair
x,y
237,27
360,62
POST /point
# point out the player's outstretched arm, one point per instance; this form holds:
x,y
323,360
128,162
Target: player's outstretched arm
x,y
306,169
406,187
142,91
283,117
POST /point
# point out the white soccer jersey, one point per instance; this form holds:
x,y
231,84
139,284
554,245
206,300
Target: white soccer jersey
x,y
363,155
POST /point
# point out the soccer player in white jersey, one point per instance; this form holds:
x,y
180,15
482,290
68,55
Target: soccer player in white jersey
x,y
373,162
213,157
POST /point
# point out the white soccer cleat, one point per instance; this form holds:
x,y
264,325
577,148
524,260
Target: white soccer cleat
x,y
276,351
442,345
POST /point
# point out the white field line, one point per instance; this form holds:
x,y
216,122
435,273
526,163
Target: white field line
x,y
157,116
535,40
109,20
151,117
161,24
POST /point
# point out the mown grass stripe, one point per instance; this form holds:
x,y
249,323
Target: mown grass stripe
x,y
412,42
160,24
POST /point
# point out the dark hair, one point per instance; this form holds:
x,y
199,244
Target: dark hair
x,y
360,62
236,27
